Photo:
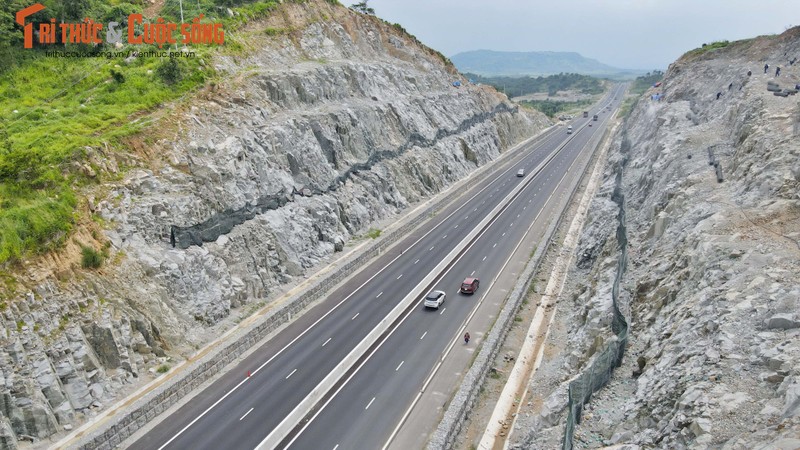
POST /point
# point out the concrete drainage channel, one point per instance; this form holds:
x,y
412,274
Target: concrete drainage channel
x,y
141,408
465,398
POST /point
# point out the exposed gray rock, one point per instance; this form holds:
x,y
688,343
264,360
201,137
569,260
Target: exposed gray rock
x,y
710,285
791,406
305,144
782,322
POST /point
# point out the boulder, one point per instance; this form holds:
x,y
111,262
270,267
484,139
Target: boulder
x,y
782,322
700,426
791,406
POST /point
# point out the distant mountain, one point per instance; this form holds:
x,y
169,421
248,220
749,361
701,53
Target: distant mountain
x,y
489,62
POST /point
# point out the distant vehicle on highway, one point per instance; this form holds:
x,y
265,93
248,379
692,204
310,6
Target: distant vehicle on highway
x,y
595,117
521,173
586,114
569,129
435,299
469,285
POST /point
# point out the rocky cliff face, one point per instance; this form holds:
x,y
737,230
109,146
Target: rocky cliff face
x,y
711,287
333,122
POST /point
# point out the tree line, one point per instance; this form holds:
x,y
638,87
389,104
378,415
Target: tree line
x,y
552,84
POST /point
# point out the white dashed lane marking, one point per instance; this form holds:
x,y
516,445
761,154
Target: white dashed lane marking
x,y
245,414
287,376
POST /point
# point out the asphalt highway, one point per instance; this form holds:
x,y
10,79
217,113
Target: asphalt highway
x,y
238,412
364,413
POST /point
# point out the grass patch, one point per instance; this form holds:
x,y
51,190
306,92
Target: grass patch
x,y
55,111
271,31
626,107
707,48
164,368
373,233
52,111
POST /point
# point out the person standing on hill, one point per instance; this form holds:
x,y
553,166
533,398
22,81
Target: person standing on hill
x,y
766,67
777,71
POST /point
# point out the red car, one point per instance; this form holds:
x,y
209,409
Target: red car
x,y
470,285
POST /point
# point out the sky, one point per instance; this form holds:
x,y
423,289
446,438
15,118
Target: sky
x,y
627,34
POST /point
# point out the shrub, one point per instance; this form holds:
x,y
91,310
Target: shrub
x,y
169,71
90,258
373,233
117,76
164,368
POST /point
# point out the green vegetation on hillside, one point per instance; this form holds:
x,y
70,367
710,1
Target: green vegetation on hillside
x,y
708,47
639,87
551,84
55,111
551,108
644,82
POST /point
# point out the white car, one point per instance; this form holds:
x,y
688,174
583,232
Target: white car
x,y
434,299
